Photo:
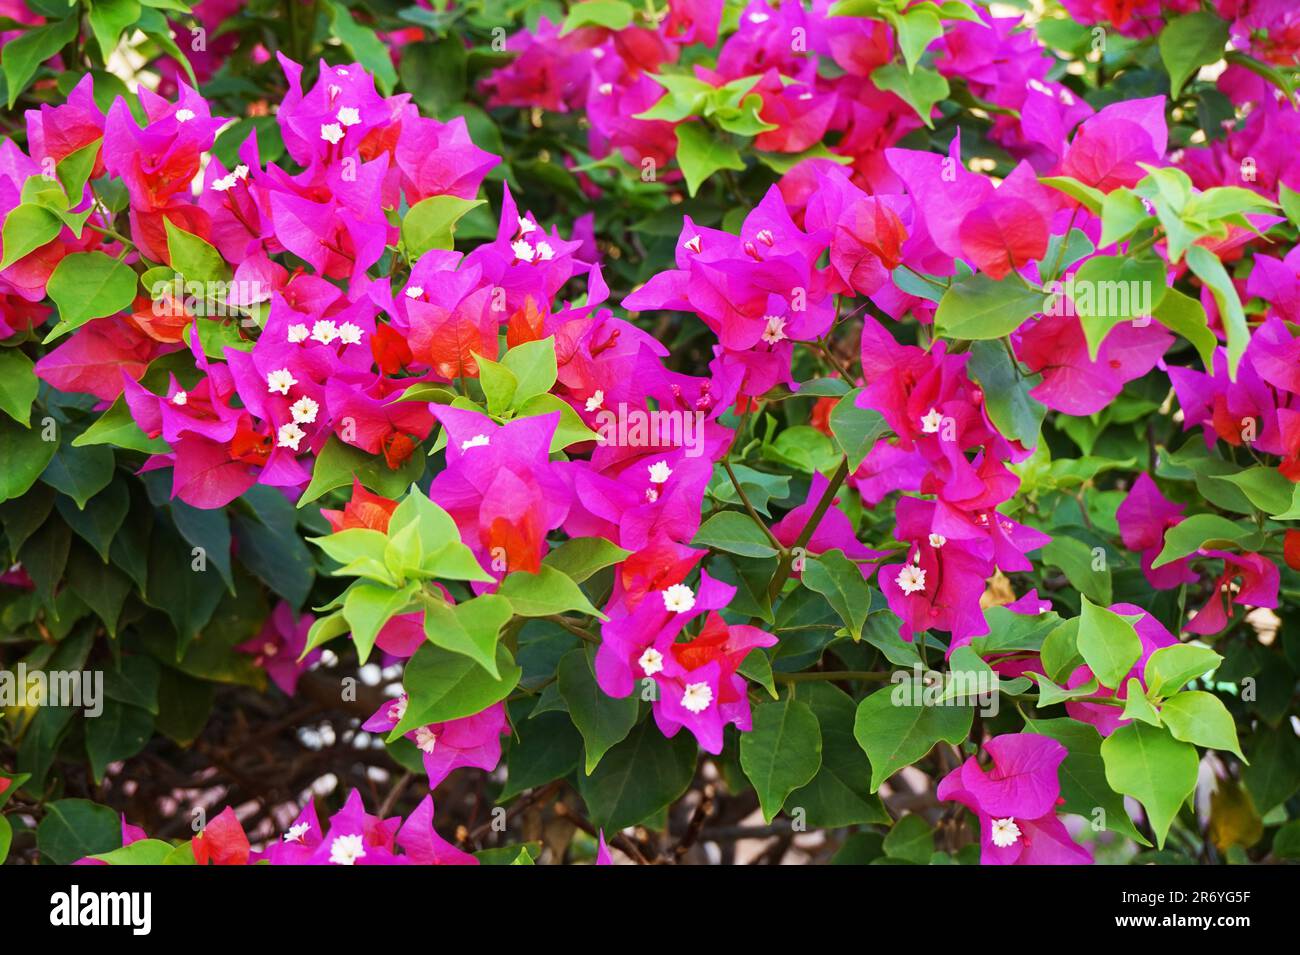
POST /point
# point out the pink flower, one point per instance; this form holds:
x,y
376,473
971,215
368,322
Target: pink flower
x,y
1015,801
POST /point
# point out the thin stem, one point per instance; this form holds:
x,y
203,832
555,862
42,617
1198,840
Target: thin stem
x,y
744,499
805,535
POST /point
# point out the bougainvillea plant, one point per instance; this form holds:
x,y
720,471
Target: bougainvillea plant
x,y
863,431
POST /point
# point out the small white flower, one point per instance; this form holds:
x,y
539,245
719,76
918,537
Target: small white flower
x,y
346,850
911,579
349,116
414,291
605,88
931,422
331,133
679,598
288,436
298,333
241,171
342,71
324,331
304,410
652,661
937,541
297,831
478,441
596,400
397,709
694,244
660,472
425,740
280,380
526,225
269,649
544,251
765,236
1005,832
697,697
759,18
775,330
184,115
224,183
522,250
180,398
349,334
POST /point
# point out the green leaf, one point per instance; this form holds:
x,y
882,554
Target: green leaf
x,y
611,14
118,733
1006,387
1273,775
1122,212
897,734
911,840
75,828
534,368
443,686
1190,42
1185,316
1076,559
782,752
1083,775
338,463
1136,704
1092,198
116,427
700,154
80,473
367,607
86,285
1264,486
735,533
75,168
108,18
499,384
581,557
194,258
18,385
472,628
1170,668
1152,767
978,307
28,227
141,852
1204,531
370,51
916,30
6,837
639,777
549,591
1195,716
25,456
840,794
1108,642
23,55
602,720
1210,270
856,429
840,581
919,89
431,223
1111,289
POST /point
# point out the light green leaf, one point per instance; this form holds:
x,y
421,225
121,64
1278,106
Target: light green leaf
x,y
1152,767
